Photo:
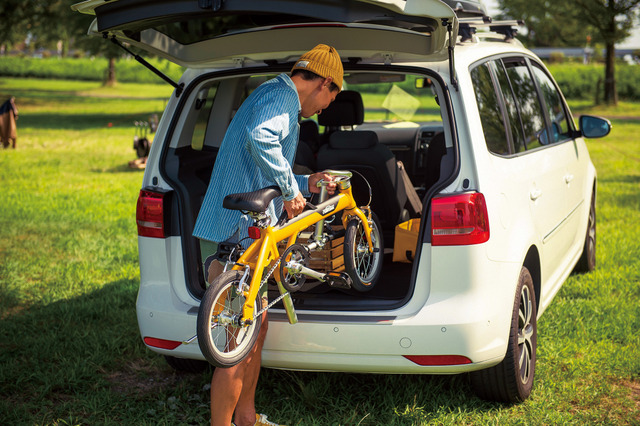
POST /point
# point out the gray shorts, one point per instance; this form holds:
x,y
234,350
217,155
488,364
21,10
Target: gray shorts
x,y
212,252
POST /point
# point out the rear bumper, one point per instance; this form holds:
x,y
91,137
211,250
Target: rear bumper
x,y
466,314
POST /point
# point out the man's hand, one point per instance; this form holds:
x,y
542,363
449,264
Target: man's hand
x,y
295,206
316,177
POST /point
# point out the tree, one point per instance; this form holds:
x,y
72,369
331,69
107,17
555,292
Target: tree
x,y
49,21
613,19
569,22
544,24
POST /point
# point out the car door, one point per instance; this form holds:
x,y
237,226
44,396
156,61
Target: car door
x,y
549,154
568,152
532,167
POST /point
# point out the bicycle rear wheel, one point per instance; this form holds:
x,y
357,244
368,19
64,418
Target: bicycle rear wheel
x,y
223,342
363,267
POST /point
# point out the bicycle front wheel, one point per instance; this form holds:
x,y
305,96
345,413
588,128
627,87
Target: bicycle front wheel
x,y
223,341
363,267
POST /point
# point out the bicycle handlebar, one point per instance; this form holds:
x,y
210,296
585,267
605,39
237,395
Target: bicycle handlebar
x,y
341,175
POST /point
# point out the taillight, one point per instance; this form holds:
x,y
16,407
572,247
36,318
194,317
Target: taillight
x,y
459,220
150,214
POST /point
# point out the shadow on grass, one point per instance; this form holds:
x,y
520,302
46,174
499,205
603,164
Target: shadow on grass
x,y
83,359
82,121
122,168
367,399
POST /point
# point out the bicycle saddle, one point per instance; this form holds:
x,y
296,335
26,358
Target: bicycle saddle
x,y
256,201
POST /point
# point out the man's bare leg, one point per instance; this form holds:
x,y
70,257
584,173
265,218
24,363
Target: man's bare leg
x,y
245,409
233,389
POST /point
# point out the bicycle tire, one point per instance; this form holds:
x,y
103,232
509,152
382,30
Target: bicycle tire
x,y
363,267
225,345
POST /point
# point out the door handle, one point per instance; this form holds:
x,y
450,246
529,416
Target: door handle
x,y
568,178
535,194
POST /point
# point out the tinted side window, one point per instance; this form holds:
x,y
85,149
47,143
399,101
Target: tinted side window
x,y
530,110
493,126
557,116
511,108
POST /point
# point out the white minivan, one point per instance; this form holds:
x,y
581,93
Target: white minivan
x,y
464,137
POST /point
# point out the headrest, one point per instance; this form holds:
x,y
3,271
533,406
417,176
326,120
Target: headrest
x,y
355,139
346,110
308,130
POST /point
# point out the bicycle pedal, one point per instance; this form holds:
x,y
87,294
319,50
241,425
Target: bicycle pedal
x,y
338,279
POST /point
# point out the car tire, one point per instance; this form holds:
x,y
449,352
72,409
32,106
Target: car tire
x,y
511,381
187,365
587,261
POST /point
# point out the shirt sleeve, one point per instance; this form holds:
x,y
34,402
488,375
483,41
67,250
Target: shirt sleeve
x,y
303,184
269,126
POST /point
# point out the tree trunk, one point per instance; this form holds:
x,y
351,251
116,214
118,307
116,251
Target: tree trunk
x,y
111,73
610,92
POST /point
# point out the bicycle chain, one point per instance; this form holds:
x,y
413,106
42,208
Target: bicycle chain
x,y
264,281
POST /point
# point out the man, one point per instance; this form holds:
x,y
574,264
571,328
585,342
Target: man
x,y
257,151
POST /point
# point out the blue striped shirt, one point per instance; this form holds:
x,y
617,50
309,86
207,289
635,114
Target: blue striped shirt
x,y
257,151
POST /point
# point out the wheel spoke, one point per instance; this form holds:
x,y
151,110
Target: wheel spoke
x,y
525,334
225,335
524,363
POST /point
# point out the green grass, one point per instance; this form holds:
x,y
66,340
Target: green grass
x,y
70,352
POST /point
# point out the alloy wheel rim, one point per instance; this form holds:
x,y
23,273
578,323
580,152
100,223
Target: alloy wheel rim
x,y
525,335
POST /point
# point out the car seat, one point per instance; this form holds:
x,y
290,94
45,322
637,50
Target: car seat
x,y
360,151
305,161
347,110
437,150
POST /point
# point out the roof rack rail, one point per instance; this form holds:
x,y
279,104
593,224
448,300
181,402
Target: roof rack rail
x,y
508,28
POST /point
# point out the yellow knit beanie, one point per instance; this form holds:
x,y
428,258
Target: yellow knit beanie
x,y
324,61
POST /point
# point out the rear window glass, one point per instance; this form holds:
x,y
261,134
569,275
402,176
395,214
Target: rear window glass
x,y
511,109
493,125
528,102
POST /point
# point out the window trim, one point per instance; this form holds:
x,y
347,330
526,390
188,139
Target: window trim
x,y
529,63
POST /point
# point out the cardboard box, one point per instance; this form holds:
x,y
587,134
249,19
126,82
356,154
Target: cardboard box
x,y
406,240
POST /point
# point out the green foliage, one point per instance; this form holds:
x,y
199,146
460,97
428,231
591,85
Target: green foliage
x,y
87,69
70,350
579,81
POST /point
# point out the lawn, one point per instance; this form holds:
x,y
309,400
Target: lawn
x,y
70,352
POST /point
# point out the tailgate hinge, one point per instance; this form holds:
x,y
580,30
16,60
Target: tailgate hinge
x,y
178,87
450,49
238,62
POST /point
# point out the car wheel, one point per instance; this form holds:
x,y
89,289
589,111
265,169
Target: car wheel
x,y
511,380
187,365
587,261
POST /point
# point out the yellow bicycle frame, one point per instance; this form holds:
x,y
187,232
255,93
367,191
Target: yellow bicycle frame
x,y
262,252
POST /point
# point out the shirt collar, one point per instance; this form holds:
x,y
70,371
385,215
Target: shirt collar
x,y
287,80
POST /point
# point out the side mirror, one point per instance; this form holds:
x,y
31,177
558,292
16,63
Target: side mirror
x,y
594,127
